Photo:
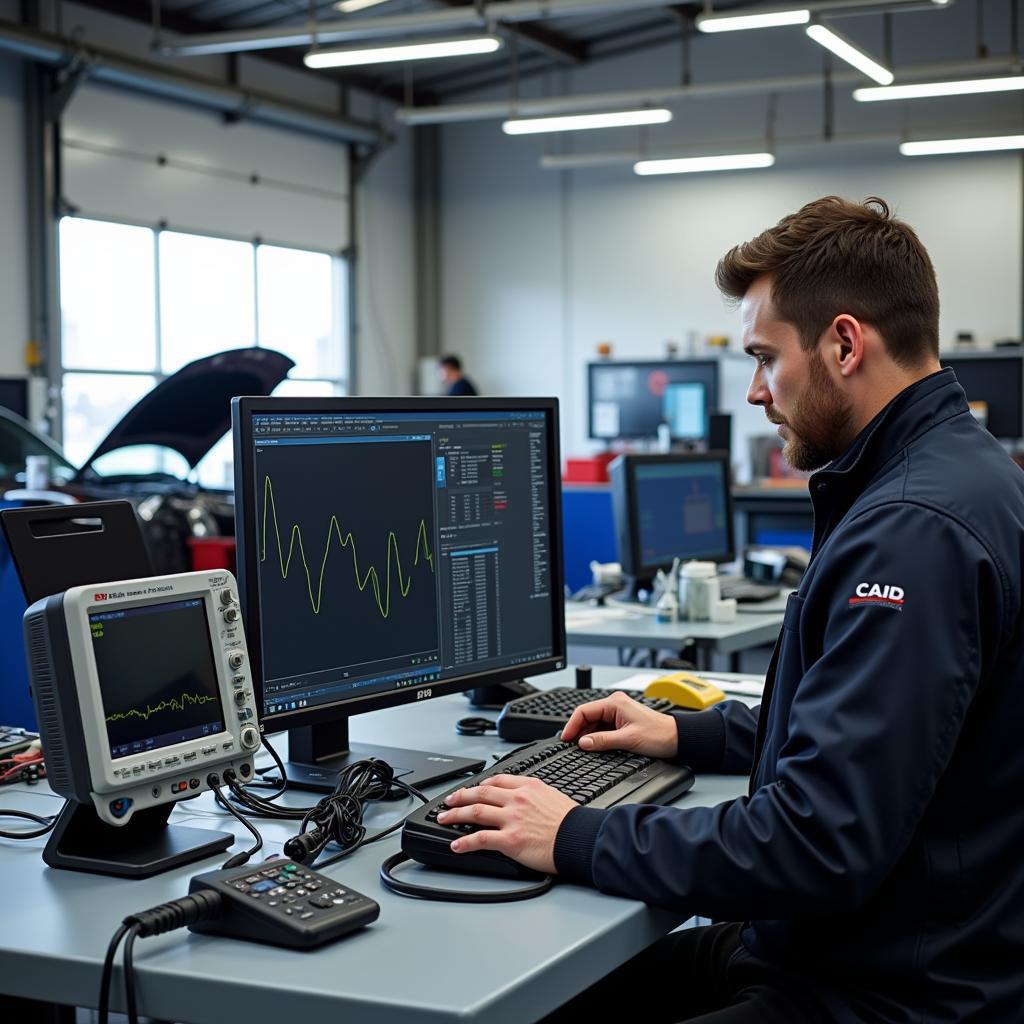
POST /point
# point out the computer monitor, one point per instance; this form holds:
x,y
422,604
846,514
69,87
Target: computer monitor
x,y
391,550
994,383
671,506
14,395
630,400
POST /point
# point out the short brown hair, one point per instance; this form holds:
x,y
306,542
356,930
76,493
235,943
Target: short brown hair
x,y
834,256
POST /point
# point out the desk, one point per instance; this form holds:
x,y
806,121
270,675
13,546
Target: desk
x,y
618,626
420,963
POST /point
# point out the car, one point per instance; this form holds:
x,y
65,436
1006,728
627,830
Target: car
x,y
187,413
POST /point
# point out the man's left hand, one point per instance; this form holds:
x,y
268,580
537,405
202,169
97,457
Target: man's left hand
x,y
519,817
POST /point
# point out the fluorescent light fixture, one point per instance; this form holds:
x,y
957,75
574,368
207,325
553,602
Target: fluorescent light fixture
x,y
922,90
935,147
845,50
739,22
394,52
351,6
695,164
580,122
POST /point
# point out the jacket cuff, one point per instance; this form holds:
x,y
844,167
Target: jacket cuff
x,y
701,739
574,844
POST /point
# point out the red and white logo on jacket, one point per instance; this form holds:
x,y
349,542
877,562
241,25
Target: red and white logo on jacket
x,y
878,593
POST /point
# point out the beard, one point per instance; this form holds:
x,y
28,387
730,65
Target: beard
x,y
818,427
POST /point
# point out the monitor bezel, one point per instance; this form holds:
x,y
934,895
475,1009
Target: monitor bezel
x,y
711,396
242,411
955,359
630,464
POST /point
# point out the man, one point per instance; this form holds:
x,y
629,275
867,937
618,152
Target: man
x,y
878,861
453,379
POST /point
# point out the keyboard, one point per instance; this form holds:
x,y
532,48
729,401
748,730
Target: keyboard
x,y
546,712
746,590
14,740
591,778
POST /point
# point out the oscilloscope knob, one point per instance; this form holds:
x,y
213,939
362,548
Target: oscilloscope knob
x,y
226,597
249,738
236,660
231,614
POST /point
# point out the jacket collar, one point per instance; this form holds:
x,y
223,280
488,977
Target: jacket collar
x,y
913,412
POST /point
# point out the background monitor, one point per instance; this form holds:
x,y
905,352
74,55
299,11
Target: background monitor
x,y
671,506
630,400
391,550
994,384
14,395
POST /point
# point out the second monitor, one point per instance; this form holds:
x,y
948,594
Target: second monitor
x,y
671,506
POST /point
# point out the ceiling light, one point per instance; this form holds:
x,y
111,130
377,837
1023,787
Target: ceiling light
x,y
694,164
935,147
579,122
739,22
845,50
921,90
391,53
351,6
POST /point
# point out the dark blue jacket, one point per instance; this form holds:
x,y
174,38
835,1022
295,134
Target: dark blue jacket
x,y
880,853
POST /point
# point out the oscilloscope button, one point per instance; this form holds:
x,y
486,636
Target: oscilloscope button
x,y
239,697
249,738
236,660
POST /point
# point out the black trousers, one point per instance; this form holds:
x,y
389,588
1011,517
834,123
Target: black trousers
x,y
687,976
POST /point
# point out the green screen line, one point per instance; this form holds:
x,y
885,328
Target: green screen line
x,y
164,705
371,575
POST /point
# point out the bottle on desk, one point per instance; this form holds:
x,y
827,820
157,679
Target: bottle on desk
x,y
699,590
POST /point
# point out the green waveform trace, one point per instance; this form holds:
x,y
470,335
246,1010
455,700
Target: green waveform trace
x,y
370,577
174,704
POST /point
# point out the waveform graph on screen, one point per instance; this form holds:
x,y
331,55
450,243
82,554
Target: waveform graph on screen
x,y
346,547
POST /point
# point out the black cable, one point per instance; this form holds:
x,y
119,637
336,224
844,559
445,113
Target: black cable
x,y
129,975
48,822
239,858
283,782
108,970
427,892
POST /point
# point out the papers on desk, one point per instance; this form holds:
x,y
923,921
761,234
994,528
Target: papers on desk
x,y
750,686
580,618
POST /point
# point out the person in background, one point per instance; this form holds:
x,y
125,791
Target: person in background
x,y
452,377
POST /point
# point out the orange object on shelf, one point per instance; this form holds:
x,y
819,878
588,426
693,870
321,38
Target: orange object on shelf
x,y
212,553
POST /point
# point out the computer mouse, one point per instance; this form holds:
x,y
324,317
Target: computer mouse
x,y
685,690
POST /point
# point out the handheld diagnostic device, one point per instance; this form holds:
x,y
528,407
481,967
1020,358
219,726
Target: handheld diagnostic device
x,y
142,690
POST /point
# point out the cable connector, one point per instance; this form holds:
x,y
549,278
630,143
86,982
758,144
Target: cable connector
x,y
306,846
199,906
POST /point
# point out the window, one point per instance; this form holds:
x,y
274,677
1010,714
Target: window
x,y
138,304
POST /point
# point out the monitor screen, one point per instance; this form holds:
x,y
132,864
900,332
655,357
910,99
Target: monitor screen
x,y
676,505
994,385
391,549
631,400
158,680
14,395
682,511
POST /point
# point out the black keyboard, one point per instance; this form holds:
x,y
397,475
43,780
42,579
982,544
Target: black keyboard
x,y
746,590
545,713
591,778
14,740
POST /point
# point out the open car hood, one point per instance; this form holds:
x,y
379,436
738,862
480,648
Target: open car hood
x,y
190,411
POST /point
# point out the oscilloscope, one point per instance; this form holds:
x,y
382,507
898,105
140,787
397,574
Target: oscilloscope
x,y
142,689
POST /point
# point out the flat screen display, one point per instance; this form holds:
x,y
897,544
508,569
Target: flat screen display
x,y
158,679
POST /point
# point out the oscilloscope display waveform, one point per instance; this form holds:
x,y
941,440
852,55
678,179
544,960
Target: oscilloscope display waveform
x,y
182,703
371,577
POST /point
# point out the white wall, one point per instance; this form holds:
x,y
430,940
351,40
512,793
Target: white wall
x,y
540,265
14,306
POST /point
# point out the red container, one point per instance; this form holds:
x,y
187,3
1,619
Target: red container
x,y
212,553
591,469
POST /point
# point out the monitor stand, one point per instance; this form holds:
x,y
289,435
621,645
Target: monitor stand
x,y
317,753
145,846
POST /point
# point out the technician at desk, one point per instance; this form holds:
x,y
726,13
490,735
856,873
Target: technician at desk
x,y
877,858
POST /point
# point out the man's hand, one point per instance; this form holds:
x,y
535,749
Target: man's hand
x,y
520,818
620,723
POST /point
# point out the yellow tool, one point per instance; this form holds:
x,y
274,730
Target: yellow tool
x,y
684,689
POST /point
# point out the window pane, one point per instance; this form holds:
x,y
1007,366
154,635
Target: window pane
x,y
107,295
206,297
306,389
297,309
93,403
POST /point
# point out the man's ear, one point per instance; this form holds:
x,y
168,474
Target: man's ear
x,y
847,343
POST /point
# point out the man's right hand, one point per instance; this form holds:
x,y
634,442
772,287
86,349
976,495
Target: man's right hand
x,y
620,723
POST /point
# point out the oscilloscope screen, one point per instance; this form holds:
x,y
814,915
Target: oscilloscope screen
x,y
158,680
